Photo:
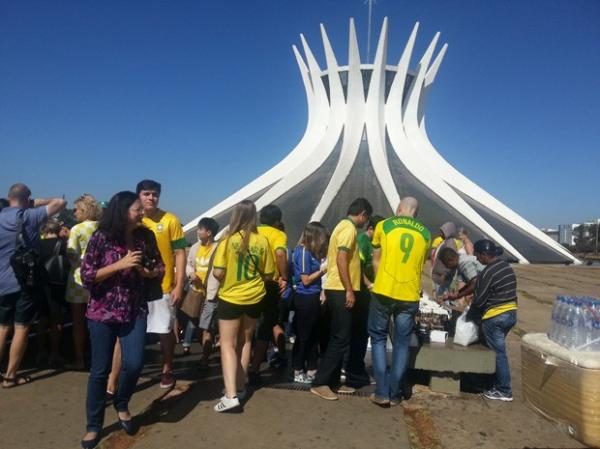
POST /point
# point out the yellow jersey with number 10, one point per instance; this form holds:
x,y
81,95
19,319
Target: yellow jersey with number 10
x,y
243,283
404,242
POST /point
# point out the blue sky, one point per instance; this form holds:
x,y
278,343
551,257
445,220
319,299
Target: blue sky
x,y
205,96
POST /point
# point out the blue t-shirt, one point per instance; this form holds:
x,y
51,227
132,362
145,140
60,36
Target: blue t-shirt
x,y
32,220
306,263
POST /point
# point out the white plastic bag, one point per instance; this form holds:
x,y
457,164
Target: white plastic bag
x,y
466,332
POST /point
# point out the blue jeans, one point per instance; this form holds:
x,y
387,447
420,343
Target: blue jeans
x,y
103,337
381,309
495,330
189,334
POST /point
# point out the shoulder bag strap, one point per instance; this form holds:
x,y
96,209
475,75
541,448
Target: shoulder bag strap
x,y
20,237
57,248
211,260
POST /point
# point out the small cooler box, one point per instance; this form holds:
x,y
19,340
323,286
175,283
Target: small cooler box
x,y
563,385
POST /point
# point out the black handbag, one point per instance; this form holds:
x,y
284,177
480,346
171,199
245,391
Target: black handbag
x,y
152,289
25,261
57,266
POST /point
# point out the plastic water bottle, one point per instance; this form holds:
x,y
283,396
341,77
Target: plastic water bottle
x,y
555,323
579,334
566,337
588,325
595,312
552,330
559,332
560,319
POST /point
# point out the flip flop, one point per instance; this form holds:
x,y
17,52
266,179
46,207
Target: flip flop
x,y
16,381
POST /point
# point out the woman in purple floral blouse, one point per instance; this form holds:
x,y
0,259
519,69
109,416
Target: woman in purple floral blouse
x,y
121,257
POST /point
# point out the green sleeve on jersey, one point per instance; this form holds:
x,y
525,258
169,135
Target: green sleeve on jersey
x,y
179,244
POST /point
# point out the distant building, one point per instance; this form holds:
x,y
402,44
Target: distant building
x,y
568,233
552,233
566,236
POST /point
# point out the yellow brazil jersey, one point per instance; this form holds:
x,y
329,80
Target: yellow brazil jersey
x,y
439,239
436,242
277,240
343,238
404,243
243,283
201,263
203,260
169,237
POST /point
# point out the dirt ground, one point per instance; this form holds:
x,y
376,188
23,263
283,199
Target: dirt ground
x,y
474,422
50,414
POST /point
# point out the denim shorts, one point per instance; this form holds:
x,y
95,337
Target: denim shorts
x,y
209,316
19,307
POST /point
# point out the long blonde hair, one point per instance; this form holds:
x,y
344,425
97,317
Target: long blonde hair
x,y
90,209
243,220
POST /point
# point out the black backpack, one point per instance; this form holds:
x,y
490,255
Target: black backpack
x,y
57,267
25,261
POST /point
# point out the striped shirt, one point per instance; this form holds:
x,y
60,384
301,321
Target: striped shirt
x,y
495,289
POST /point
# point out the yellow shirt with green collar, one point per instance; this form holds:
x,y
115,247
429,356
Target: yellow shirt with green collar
x,y
343,238
169,237
403,242
277,241
243,283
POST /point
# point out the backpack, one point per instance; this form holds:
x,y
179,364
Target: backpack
x,y
57,267
25,261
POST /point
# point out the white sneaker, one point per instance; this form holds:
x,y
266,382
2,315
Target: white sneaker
x,y
496,395
227,404
241,394
301,378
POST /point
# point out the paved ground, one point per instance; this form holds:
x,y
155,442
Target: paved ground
x,y
49,413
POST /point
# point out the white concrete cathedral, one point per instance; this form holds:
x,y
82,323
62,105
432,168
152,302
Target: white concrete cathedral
x,y
366,136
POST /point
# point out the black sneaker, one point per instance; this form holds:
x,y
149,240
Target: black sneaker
x,y
278,362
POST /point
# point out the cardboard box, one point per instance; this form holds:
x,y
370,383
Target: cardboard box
x,y
563,386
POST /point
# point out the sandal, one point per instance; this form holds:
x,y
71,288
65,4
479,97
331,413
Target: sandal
x,y
8,382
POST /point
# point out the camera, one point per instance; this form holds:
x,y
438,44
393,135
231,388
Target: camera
x,y
148,263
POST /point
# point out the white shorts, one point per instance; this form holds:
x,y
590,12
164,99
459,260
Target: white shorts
x,y
161,315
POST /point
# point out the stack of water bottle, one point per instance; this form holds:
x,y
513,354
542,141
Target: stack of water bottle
x,y
576,323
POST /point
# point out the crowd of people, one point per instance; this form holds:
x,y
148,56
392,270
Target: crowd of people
x,y
126,271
